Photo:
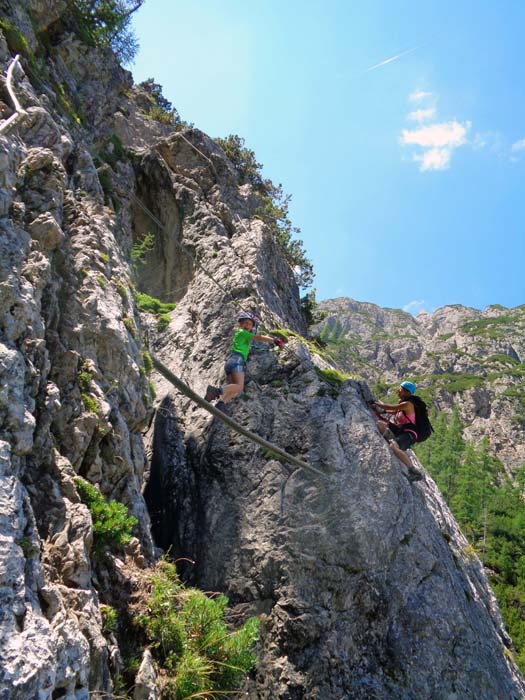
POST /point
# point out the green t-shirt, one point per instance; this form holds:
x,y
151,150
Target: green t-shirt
x,y
241,342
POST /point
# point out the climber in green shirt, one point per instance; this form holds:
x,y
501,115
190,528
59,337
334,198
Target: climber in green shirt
x,y
235,366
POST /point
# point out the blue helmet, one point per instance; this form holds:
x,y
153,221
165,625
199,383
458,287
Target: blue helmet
x,y
409,386
245,316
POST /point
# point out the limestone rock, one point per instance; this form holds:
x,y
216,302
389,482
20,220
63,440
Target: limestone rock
x,y
46,231
453,342
363,581
145,682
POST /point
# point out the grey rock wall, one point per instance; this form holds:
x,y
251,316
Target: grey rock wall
x,y
364,584
388,345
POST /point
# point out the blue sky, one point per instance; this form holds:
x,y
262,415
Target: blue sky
x,y
407,177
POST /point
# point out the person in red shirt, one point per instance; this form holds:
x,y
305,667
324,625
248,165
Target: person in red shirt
x,y
401,432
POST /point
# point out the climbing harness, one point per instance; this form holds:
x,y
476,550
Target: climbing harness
x,y
185,389
19,111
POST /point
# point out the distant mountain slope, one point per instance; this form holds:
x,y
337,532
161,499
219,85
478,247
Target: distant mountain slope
x,y
457,355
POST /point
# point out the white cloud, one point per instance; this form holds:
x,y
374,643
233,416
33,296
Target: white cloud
x,y
420,115
419,96
414,307
437,141
447,134
434,159
518,146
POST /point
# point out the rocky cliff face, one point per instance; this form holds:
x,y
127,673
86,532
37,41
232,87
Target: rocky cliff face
x,y
365,584
473,359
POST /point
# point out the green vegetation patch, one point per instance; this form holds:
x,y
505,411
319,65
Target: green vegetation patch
x,y
200,655
490,509
495,327
153,305
516,392
16,41
502,359
456,383
112,526
109,619
140,249
84,382
104,24
286,334
147,362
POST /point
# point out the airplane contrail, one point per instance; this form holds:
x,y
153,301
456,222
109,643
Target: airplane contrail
x,y
392,58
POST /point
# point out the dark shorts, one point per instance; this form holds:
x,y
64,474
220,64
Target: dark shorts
x,y
235,363
403,438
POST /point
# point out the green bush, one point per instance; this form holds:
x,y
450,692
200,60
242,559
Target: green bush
x,y
153,305
141,248
287,334
102,281
15,40
334,378
130,326
309,307
109,619
105,23
84,382
163,322
461,382
161,109
112,526
123,292
147,362
503,359
90,403
192,641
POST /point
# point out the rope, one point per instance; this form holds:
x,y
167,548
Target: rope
x,y
185,389
145,209
16,104
189,255
199,152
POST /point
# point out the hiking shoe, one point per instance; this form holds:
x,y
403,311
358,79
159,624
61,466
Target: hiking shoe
x,y
212,393
413,474
223,408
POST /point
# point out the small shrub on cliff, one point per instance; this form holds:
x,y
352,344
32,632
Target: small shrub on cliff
x,y
155,306
84,382
109,619
191,640
15,40
161,108
112,526
105,23
141,248
147,362
334,378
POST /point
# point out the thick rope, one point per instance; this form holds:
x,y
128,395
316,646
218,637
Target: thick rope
x,y
16,104
334,361
185,389
187,253
179,133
